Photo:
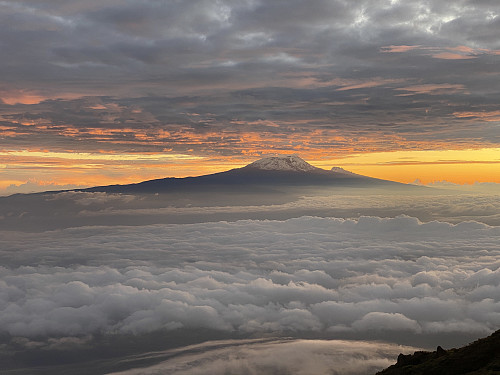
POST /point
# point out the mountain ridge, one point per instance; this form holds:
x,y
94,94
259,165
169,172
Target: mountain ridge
x,y
478,358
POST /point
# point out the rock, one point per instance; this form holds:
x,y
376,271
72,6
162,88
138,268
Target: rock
x,y
440,351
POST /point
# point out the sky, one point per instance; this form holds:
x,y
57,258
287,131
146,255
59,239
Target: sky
x,y
109,91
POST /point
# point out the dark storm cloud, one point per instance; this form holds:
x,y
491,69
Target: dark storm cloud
x,y
205,70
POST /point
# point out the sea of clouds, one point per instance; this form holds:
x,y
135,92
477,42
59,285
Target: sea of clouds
x,y
370,277
51,211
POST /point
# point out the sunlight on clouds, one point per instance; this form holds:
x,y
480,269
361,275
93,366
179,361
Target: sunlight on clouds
x,y
100,156
452,56
432,89
22,99
13,96
483,115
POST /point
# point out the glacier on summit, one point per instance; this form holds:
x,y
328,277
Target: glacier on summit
x,y
292,163
283,163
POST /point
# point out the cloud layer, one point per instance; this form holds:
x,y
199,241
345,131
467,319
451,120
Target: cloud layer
x,y
72,209
366,278
297,357
221,78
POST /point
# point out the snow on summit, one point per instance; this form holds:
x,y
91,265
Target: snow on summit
x,y
282,163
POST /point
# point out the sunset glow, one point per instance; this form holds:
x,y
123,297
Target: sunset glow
x,y
249,186
87,169
457,166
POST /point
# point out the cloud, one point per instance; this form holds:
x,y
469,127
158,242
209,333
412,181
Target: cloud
x,y
278,356
452,56
370,277
386,321
233,63
397,49
432,89
91,199
448,202
486,116
34,187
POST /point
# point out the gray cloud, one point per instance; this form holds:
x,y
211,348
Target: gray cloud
x,y
233,63
451,203
370,277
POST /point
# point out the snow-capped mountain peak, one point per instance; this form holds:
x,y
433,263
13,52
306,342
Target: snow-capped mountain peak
x,y
282,163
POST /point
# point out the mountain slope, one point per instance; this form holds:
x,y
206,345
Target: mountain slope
x,y
480,357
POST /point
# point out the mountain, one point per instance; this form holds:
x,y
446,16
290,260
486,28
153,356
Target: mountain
x,y
277,171
264,189
480,357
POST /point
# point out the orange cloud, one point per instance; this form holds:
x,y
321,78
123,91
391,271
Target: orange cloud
x,y
14,96
466,49
367,84
486,116
444,53
433,89
20,97
452,56
398,49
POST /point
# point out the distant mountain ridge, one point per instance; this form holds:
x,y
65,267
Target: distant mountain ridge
x,y
268,172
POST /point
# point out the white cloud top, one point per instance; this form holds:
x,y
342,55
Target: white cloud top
x,y
368,277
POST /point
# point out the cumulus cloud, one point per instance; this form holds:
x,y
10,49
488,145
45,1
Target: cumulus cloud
x,y
386,321
370,277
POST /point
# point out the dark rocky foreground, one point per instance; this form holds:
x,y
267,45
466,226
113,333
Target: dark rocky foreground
x,y
478,358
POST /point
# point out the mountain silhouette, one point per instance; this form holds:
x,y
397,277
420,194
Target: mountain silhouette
x,y
269,172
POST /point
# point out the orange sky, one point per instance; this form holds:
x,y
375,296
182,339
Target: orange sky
x,y
89,169
458,166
